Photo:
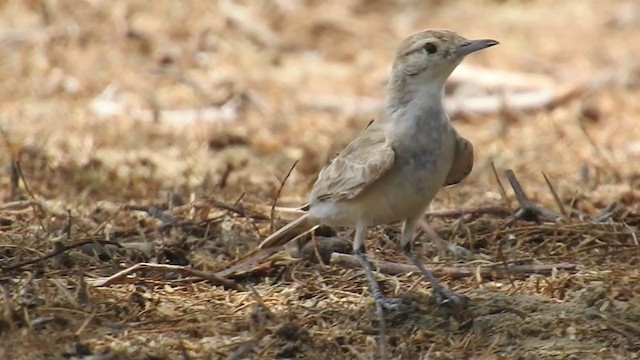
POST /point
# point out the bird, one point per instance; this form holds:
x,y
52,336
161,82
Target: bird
x,y
395,167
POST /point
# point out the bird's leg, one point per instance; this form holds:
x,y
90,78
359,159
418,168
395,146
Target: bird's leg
x,y
442,295
442,245
381,301
374,286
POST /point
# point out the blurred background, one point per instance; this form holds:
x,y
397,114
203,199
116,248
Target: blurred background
x,y
111,102
124,99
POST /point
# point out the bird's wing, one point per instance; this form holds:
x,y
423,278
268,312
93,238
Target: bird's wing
x,y
362,162
462,163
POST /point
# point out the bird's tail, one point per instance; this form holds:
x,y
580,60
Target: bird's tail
x,y
287,232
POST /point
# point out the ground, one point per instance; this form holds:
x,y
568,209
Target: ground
x,y
161,132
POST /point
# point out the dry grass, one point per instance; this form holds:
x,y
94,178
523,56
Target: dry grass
x,y
104,192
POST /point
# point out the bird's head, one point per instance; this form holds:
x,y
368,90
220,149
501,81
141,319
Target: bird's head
x,y
429,56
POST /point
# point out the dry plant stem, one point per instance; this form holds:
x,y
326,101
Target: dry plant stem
x,y
259,300
16,205
237,205
222,183
503,193
59,251
528,207
563,211
316,251
275,200
35,204
85,323
238,210
497,270
15,181
217,280
499,211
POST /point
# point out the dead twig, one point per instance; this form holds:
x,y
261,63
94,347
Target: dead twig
x,y
503,193
217,280
17,205
273,206
563,211
34,203
477,211
256,296
528,210
238,210
494,270
59,250
14,178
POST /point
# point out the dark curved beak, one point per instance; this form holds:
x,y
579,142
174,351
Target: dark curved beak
x,y
474,45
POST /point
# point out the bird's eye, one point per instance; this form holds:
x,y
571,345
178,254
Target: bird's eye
x,y
430,48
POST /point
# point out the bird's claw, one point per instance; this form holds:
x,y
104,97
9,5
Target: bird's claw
x,y
451,300
394,304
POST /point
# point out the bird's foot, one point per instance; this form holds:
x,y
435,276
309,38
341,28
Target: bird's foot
x,y
393,304
450,299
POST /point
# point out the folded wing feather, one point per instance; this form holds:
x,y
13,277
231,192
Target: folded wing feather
x,y
361,163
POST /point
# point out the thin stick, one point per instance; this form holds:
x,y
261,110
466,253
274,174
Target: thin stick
x,y
58,252
35,203
495,270
503,193
15,181
258,299
527,207
482,210
275,201
229,284
237,210
563,211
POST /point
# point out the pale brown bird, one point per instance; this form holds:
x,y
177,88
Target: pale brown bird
x,y
395,167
